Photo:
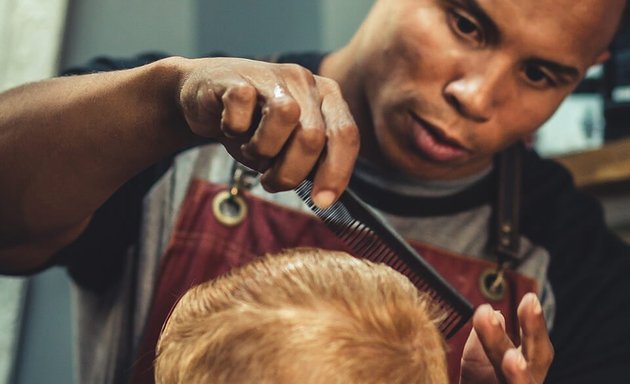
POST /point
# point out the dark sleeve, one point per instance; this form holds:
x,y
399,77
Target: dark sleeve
x,y
309,60
104,63
97,257
589,273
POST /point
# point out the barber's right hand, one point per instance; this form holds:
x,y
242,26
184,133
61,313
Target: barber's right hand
x,y
304,123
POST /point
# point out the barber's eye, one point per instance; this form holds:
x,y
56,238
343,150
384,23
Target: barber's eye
x,y
534,74
465,27
538,76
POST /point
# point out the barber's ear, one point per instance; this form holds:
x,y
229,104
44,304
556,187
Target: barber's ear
x,y
602,57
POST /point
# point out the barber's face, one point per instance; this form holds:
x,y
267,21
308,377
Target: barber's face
x,y
451,82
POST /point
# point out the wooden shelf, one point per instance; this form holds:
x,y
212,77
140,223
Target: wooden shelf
x,y
605,173
608,166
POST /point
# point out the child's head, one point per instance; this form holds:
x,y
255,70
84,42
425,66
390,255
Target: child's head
x,y
303,316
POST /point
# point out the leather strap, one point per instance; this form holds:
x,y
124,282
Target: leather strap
x,y
507,233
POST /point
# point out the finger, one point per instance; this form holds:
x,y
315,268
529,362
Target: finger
x,y
342,146
475,365
201,107
490,328
303,149
280,116
536,345
514,368
239,102
473,350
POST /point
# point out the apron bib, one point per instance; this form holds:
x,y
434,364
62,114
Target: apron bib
x,y
202,248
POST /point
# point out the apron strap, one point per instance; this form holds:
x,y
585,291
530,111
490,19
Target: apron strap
x,y
508,205
506,218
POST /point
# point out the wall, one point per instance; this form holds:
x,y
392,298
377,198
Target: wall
x,y
45,352
128,27
253,27
30,37
340,19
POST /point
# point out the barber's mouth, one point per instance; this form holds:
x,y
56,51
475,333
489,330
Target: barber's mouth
x,y
433,143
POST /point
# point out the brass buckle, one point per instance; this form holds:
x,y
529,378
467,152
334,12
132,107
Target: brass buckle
x,y
492,284
229,207
229,210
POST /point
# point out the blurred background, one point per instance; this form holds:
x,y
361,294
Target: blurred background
x,y
39,38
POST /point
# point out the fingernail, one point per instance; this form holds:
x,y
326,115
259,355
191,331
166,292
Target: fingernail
x,y
490,314
536,307
499,316
323,199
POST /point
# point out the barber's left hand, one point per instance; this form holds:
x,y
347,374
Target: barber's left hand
x,y
491,357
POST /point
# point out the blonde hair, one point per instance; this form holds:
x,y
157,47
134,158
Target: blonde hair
x,y
303,316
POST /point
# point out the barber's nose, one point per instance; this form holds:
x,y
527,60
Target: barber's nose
x,y
476,93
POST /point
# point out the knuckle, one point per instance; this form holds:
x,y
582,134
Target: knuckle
x,y
231,129
329,85
256,148
312,140
234,124
190,100
285,182
240,93
347,133
285,108
336,179
188,106
199,106
298,71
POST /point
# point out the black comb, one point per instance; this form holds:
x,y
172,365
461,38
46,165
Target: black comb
x,y
371,238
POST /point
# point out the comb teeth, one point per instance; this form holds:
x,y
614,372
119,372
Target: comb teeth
x,y
371,238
